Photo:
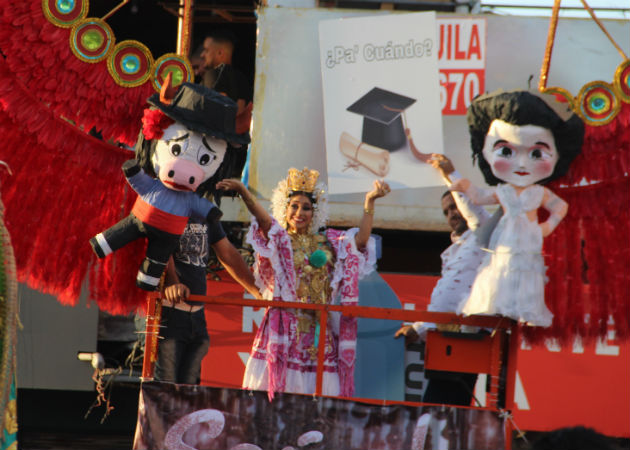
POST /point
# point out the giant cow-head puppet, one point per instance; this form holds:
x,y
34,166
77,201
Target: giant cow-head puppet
x,y
184,142
187,138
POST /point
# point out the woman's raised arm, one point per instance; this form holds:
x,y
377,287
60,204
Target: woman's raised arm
x,y
381,189
255,208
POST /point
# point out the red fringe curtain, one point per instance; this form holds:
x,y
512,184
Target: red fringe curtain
x,y
588,255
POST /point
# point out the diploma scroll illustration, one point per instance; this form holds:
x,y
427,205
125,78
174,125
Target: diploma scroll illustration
x,y
375,159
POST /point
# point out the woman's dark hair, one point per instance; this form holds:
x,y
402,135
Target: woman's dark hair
x,y
523,108
309,195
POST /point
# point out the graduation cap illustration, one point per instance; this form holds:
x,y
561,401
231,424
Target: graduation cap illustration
x,y
382,122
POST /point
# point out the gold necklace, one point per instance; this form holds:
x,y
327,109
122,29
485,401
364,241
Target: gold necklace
x,y
312,258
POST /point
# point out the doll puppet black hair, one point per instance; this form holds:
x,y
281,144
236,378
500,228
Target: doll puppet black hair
x,y
524,108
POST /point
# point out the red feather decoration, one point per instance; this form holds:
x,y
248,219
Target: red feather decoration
x,y
154,122
67,187
38,54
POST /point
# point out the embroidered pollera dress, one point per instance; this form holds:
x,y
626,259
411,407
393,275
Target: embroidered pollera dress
x,y
511,278
284,354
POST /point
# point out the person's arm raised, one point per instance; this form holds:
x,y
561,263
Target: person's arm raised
x,y
381,189
255,208
475,215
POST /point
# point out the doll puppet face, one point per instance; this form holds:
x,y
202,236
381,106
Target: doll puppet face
x,y
520,155
183,159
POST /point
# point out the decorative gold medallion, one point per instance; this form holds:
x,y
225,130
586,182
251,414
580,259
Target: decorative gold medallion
x,y
65,13
130,63
173,63
91,40
597,103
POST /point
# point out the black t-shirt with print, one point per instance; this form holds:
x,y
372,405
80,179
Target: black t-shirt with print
x,y
191,257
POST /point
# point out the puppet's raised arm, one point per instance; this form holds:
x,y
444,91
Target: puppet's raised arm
x,y
475,215
557,210
477,195
136,177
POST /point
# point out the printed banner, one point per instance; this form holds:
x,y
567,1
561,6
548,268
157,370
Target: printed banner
x,y
380,85
177,417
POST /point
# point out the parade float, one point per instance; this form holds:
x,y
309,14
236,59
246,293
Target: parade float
x,y
64,73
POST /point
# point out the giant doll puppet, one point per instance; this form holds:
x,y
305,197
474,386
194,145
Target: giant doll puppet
x,y
181,151
521,140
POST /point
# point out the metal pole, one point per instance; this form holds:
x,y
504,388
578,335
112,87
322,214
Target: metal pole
x,y
510,379
184,27
321,351
551,36
154,312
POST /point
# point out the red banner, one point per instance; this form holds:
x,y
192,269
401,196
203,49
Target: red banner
x,y
462,63
554,387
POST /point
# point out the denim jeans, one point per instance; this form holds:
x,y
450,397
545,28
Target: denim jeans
x,y
185,343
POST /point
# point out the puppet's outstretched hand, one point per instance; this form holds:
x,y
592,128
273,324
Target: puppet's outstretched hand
x,y
131,167
137,177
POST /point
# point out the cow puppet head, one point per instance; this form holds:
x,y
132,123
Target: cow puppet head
x,y
186,137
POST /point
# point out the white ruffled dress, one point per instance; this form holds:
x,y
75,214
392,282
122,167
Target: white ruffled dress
x,y
281,358
511,279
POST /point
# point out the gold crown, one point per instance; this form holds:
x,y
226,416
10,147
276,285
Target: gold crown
x,y
302,180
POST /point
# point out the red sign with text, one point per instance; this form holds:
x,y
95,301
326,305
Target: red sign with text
x,y
584,385
461,62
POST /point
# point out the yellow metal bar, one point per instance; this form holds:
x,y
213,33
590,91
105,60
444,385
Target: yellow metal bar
x,y
601,25
551,36
184,27
120,5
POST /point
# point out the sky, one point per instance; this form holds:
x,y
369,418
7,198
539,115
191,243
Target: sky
x,y
567,8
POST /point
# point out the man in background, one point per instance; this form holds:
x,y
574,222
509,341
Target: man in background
x,y
219,74
460,262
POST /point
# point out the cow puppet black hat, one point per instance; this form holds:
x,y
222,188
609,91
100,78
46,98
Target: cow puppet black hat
x,y
203,110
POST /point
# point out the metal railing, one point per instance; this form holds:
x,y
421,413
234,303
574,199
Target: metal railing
x,y
501,344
